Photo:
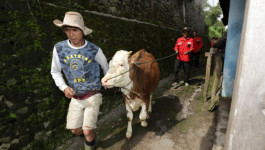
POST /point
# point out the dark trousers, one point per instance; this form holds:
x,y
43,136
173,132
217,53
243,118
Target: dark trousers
x,y
195,59
186,68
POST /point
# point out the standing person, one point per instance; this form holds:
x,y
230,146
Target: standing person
x,y
212,42
195,54
79,60
183,48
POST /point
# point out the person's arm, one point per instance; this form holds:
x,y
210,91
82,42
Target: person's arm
x,y
176,48
58,77
56,71
201,44
190,48
101,59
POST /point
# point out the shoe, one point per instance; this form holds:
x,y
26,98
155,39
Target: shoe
x,y
175,84
187,84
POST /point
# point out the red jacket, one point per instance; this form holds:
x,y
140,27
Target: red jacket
x,y
211,43
183,46
197,44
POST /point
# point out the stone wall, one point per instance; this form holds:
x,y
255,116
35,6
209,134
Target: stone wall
x,y
170,13
32,109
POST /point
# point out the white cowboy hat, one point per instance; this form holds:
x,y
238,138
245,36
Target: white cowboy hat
x,y
73,19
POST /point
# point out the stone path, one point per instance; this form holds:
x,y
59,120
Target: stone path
x,y
179,121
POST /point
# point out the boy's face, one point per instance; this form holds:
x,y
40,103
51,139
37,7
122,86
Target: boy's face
x,y
75,35
185,34
194,33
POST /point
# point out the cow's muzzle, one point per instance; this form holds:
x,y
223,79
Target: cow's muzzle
x,y
105,82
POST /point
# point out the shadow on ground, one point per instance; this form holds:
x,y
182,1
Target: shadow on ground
x,y
162,118
208,138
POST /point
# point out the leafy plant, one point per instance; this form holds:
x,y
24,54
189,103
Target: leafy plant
x,y
213,25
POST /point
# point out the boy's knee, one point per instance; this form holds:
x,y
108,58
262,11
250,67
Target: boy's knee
x,y
77,131
89,134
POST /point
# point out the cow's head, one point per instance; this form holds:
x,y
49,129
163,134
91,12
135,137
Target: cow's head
x,y
116,76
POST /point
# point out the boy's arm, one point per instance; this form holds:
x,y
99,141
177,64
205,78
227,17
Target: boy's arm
x,y
56,71
101,59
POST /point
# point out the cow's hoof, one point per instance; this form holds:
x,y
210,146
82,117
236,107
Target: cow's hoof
x,y
128,135
144,123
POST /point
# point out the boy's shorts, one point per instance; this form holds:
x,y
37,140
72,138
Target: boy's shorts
x,y
84,113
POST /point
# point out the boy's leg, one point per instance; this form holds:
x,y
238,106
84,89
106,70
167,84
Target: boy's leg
x,y
90,119
90,143
75,115
186,66
78,131
176,70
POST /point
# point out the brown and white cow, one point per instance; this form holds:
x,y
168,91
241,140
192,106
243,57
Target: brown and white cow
x,y
137,76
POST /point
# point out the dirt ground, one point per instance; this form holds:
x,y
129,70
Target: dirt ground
x,y
180,120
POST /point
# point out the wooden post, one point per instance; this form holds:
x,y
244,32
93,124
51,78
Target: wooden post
x,y
217,76
207,75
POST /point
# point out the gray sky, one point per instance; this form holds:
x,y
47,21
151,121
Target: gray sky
x,y
213,2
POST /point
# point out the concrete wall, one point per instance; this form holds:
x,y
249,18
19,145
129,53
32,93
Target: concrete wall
x,y
246,126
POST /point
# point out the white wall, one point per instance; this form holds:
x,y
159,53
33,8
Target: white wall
x,y
246,126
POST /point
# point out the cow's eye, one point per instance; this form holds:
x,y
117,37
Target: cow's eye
x,y
121,65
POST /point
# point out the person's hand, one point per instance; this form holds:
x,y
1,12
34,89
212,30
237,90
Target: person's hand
x,y
176,51
69,92
187,52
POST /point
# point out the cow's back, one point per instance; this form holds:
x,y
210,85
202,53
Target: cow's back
x,y
145,75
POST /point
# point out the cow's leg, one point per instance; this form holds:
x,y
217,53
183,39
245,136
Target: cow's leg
x,y
143,115
150,105
130,117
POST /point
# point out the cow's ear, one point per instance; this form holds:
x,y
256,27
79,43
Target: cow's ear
x,y
129,53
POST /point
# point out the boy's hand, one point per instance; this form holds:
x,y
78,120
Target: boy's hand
x,y
69,92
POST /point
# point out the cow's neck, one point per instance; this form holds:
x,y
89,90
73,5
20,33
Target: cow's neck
x,y
126,89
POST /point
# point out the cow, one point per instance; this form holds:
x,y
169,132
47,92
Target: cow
x,y
137,76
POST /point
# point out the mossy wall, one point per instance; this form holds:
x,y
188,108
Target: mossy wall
x,y
32,109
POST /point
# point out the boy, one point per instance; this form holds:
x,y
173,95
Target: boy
x,y
79,60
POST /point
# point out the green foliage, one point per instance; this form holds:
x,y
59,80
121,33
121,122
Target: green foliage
x,y
12,115
214,27
77,6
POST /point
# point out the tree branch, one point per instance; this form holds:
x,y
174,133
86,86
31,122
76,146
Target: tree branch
x,y
31,12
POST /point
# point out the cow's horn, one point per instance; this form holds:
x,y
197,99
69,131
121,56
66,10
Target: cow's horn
x,y
129,53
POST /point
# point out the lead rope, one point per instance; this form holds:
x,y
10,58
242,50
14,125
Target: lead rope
x,y
124,87
140,63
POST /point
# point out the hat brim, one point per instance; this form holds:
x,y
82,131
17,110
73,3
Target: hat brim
x,y
85,29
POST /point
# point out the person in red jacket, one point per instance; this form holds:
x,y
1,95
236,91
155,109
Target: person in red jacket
x,y
213,41
195,54
183,48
